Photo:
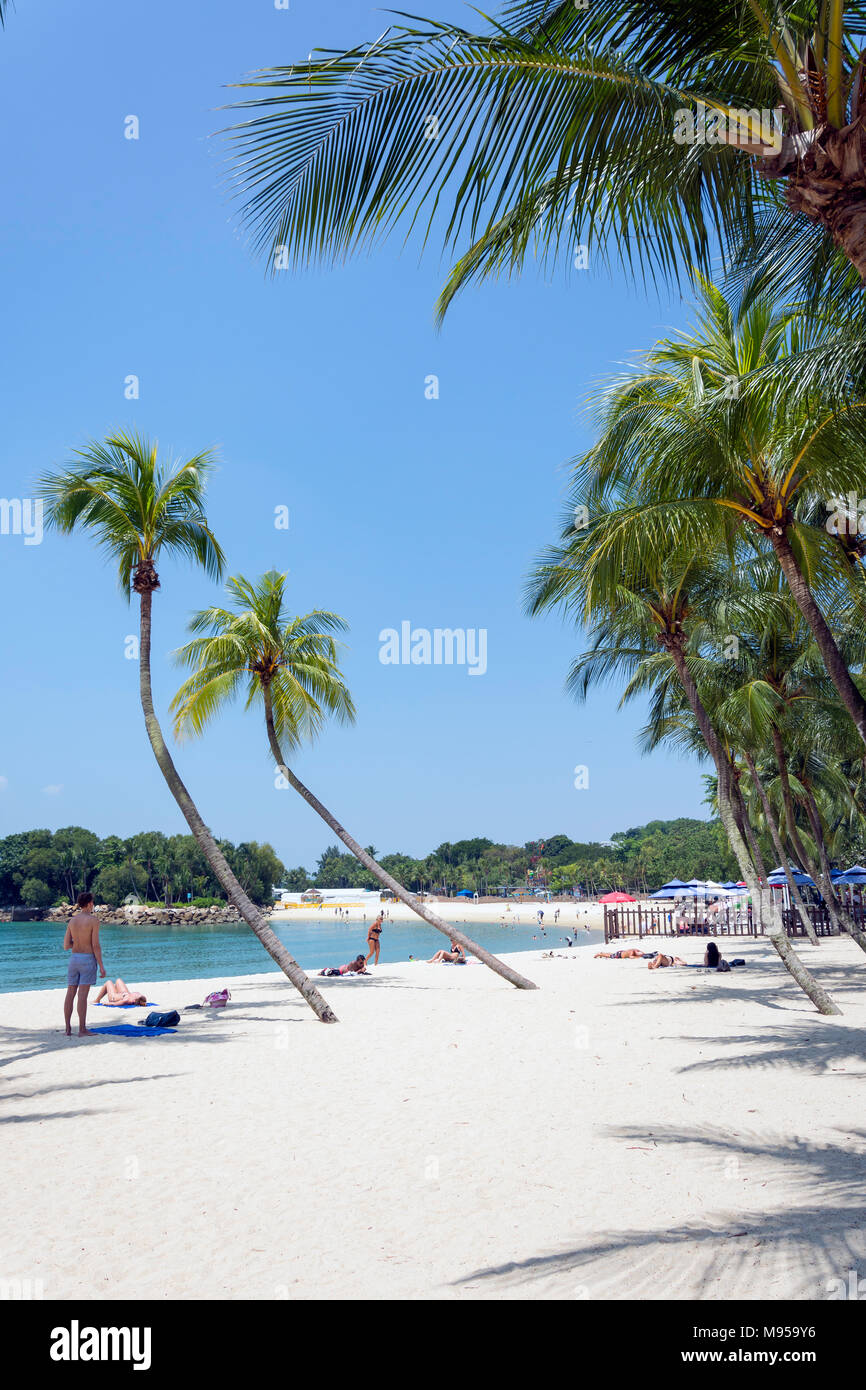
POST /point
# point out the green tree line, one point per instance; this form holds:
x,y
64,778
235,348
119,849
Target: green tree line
x,y
39,868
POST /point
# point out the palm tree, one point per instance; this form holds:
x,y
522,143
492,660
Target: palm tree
x,y
289,667
139,510
703,454
640,629
644,131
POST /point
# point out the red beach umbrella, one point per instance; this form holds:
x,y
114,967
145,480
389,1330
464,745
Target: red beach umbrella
x,y
617,898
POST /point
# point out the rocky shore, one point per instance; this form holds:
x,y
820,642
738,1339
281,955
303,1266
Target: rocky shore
x,y
142,916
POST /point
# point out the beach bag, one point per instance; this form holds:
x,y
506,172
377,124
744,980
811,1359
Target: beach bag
x,y
218,999
167,1020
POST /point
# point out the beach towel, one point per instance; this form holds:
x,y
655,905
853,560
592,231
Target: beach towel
x,y
129,1030
102,1005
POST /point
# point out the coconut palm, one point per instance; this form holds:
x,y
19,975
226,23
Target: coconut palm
x,y
702,454
288,667
140,510
642,130
640,627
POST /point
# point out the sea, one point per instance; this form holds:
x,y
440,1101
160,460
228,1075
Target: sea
x,y
32,955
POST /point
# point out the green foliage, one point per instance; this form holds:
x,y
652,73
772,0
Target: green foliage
x,y
35,893
38,868
638,858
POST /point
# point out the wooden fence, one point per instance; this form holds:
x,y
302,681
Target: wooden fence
x,y
638,921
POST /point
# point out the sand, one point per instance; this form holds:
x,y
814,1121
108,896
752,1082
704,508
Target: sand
x,y
457,912
617,1134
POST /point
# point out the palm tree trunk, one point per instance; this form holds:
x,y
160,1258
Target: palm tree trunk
x,y
757,857
775,931
788,800
773,827
498,966
208,846
835,906
832,657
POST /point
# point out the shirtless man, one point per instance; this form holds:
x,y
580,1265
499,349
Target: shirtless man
x,y
82,939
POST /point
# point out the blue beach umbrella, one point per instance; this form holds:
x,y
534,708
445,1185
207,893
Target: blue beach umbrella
x,y
777,878
856,874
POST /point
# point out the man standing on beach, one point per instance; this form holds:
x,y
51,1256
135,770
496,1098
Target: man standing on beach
x,y
82,939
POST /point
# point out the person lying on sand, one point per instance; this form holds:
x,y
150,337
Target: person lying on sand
x,y
455,956
631,953
661,961
120,993
358,966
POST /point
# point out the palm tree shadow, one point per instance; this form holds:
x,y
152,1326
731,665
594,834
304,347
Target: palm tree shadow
x,y
26,1043
800,1046
795,1252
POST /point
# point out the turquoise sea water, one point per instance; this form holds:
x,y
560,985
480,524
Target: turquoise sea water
x,y
31,954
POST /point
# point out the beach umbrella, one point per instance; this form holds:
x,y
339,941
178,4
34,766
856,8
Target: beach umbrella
x,y
662,893
777,878
856,874
617,898
674,883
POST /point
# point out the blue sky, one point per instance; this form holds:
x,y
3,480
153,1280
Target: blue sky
x,y
123,257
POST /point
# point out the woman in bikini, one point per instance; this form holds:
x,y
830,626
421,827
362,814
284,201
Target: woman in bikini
x,y
453,957
373,938
119,992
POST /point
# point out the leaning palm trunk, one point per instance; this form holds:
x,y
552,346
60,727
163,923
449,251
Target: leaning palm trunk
x,y
833,660
835,906
498,966
144,584
774,928
773,827
757,857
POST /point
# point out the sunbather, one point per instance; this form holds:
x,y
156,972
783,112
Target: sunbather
x,y
661,961
120,993
358,966
455,956
630,953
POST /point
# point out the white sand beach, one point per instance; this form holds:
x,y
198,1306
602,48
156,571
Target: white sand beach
x,y
618,1134
456,911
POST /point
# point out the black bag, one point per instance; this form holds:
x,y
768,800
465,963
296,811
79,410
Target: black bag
x,y
169,1020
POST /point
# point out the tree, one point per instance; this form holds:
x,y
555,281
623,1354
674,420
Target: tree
x,y
36,893
702,453
116,882
138,510
641,129
288,667
641,629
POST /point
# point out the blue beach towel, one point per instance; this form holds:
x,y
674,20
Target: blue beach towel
x,y
129,1030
